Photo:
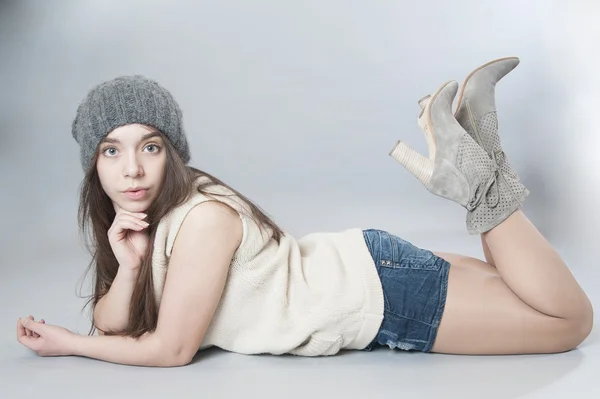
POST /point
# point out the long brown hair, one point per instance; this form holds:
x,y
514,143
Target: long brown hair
x,y
96,214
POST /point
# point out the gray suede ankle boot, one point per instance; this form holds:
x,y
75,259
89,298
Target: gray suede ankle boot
x,y
476,108
458,168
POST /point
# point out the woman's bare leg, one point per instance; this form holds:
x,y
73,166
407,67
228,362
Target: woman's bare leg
x,y
468,262
486,252
489,264
534,270
532,305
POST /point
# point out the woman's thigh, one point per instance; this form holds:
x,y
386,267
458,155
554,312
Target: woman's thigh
x,y
482,315
468,262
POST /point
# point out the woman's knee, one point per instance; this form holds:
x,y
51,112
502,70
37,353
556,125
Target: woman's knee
x,y
579,327
586,321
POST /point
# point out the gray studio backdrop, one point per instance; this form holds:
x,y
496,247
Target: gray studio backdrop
x,y
296,104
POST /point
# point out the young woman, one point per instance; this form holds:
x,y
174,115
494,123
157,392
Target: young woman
x,y
184,262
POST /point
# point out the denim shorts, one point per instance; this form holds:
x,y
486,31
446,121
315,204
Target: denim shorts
x,y
415,283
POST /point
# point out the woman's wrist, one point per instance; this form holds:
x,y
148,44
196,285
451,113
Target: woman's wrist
x,y
128,273
77,342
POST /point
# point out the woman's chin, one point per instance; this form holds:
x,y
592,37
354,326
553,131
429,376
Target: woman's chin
x,y
137,207
134,206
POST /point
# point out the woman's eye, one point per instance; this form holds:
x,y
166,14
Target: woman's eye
x,y
111,151
154,146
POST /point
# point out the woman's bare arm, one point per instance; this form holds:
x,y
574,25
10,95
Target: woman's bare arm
x,y
112,310
198,268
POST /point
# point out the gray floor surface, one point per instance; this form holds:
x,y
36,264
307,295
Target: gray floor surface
x,y
49,285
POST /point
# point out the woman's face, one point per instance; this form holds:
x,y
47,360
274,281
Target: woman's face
x,y
132,157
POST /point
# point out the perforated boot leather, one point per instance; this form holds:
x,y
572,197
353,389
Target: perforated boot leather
x,y
458,168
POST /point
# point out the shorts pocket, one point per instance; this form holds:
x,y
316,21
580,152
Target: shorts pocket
x,y
422,260
319,345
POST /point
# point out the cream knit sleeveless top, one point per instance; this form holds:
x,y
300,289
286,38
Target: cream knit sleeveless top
x,y
310,296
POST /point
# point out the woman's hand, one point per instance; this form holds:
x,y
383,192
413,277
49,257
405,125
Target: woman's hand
x,y
128,239
44,339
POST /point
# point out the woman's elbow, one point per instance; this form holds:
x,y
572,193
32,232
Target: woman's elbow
x,y
174,355
171,353
177,359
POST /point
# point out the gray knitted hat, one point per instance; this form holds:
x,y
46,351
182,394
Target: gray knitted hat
x,y
125,100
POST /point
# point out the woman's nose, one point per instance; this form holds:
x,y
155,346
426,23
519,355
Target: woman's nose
x,y
133,167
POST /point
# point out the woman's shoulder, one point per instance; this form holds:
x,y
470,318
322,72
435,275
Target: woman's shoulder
x,y
215,218
200,192
213,212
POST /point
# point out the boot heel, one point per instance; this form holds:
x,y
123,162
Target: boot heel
x,y
443,172
422,103
418,165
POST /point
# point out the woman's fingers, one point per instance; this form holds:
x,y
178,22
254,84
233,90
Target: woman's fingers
x,y
132,223
121,230
29,332
24,331
36,335
138,216
125,222
136,219
20,328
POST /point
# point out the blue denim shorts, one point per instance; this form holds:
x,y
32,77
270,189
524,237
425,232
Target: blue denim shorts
x,y
415,283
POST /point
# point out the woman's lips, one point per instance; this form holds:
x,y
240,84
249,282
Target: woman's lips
x,y
135,195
